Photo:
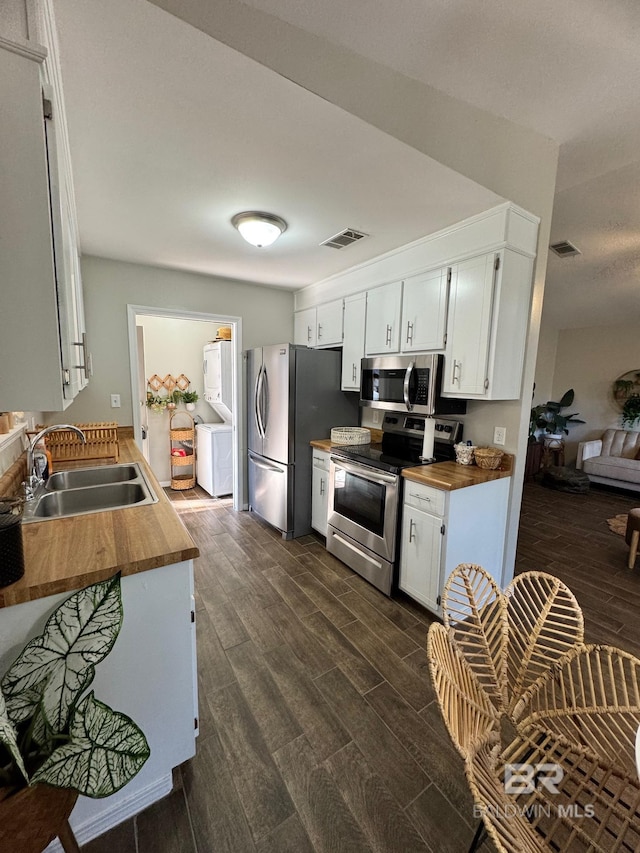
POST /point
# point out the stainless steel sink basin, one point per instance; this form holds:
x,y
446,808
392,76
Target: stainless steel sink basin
x,y
80,478
85,490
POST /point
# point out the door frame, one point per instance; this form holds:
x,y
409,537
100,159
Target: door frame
x,y
239,430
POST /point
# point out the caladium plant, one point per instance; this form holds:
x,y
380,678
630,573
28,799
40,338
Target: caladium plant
x,y
51,729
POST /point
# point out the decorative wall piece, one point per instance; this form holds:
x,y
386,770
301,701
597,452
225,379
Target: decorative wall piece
x,y
167,392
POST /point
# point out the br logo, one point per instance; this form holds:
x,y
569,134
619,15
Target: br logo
x,y
525,778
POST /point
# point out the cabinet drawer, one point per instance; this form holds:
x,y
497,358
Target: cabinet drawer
x,y
425,498
320,459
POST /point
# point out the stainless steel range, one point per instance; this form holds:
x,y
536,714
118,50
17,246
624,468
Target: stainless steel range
x,y
365,493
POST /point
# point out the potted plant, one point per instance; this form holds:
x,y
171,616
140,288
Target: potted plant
x,y
548,417
631,410
56,740
190,399
156,403
173,399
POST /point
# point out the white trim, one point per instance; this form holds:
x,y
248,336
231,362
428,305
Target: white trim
x,y
27,49
239,476
122,810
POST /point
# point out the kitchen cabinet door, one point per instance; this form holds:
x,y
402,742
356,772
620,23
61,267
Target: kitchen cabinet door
x,y
355,312
304,327
42,306
382,334
329,324
424,311
487,326
320,494
420,559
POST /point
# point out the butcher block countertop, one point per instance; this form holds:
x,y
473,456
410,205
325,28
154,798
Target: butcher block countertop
x,y
449,476
62,555
442,475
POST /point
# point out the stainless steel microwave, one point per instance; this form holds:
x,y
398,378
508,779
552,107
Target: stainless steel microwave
x,y
401,383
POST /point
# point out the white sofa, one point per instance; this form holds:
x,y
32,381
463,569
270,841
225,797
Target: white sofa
x,y
612,459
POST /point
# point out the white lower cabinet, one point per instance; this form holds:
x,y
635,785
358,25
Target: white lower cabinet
x,y
441,529
320,491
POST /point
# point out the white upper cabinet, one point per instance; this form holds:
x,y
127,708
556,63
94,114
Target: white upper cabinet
x,y
424,311
329,324
43,320
320,326
383,319
355,312
487,324
304,327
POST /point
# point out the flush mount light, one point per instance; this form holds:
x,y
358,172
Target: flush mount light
x,y
259,229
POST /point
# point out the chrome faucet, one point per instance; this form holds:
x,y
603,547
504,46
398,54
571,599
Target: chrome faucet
x,y
34,478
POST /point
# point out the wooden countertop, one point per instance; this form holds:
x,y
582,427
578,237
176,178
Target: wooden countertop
x,y
449,476
62,555
325,443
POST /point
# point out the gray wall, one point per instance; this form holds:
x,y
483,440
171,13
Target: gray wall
x,y
109,286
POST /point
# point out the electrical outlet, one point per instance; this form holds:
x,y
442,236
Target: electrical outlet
x,y
115,401
499,435
375,416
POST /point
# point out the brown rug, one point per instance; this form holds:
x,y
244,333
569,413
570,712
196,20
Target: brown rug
x,y
618,524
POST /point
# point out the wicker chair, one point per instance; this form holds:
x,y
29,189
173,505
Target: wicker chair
x,y
517,686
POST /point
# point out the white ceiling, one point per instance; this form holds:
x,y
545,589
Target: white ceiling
x,y
172,133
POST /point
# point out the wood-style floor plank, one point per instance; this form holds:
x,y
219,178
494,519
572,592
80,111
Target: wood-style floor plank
x,y
325,816
382,820
383,751
259,786
270,710
165,827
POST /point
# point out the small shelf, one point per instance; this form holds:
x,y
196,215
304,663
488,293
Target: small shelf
x,y
182,449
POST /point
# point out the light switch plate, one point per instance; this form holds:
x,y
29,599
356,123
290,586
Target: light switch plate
x,y
115,401
499,435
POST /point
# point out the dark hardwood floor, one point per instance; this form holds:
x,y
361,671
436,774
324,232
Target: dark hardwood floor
x,y
319,729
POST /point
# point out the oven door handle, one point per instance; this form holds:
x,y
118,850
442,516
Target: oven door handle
x,y
365,471
405,389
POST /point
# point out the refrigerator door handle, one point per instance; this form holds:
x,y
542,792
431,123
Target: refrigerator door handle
x,y
266,467
264,397
256,402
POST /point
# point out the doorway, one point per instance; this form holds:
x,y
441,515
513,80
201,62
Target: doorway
x,y
182,335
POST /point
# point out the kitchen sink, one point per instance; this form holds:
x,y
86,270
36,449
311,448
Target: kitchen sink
x,y
79,478
85,490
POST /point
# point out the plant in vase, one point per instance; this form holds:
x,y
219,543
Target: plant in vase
x,y
548,417
55,735
156,403
190,399
631,410
173,399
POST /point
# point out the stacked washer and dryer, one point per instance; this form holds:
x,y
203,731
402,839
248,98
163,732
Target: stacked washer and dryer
x,y
215,440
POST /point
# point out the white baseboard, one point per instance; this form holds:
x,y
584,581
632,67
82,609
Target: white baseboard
x,y
123,809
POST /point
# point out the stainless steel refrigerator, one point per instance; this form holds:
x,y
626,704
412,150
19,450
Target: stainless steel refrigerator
x,y
293,396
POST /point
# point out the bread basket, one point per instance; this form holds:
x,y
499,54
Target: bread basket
x,y
350,435
488,457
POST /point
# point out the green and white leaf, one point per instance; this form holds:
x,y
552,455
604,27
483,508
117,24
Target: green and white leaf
x,y
60,664
105,752
8,736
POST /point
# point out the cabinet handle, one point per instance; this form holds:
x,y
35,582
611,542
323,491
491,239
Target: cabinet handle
x,y
308,333
85,355
388,337
354,374
322,485
319,330
457,366
411,526
409,332
420,497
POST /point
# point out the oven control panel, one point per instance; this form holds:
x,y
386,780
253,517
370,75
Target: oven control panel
x,y
446,431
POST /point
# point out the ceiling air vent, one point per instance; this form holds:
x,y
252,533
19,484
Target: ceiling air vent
x,y
344,238
564,249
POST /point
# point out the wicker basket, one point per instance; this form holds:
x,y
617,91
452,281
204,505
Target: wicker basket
x,y
101,443
350,435
488,457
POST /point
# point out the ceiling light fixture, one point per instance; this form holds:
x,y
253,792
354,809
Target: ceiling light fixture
x,y
259,229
